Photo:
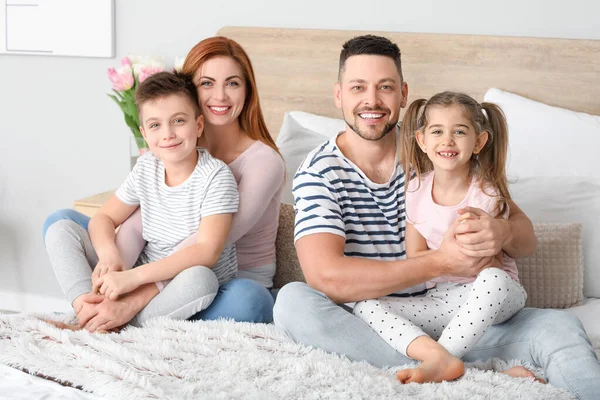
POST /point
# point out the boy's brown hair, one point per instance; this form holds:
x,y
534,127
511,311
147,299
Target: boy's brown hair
x,y
163,84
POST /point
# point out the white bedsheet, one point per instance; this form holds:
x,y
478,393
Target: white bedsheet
x,y
17,385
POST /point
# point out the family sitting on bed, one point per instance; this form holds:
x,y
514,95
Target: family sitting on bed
x,y
427,256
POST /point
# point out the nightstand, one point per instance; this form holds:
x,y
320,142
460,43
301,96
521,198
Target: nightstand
x,y
90,205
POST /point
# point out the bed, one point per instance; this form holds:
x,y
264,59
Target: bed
x,y
295,71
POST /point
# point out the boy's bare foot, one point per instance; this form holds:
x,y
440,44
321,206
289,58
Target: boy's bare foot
x,y
522,372
75,327
443,368
62,325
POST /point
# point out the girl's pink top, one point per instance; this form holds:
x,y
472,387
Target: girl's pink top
x,y
260,175
433,220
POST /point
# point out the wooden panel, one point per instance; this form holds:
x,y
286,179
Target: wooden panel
x,y
90,205
296,68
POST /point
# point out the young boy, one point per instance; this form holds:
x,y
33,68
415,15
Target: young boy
x,y
180,190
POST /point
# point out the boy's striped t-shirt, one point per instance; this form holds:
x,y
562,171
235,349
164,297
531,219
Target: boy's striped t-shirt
x,y
332,195
172,214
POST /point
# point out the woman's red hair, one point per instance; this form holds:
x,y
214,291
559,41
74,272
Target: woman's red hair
x,y
251,118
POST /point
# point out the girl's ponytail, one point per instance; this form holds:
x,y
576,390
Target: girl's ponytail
x,y
413,160
493,156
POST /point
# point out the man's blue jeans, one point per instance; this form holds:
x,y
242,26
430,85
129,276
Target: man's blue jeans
x,y
551,339
242,300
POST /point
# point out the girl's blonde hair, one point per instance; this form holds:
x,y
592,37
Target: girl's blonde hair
x,y
488,167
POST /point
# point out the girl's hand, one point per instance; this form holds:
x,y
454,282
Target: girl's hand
x,y
479,234
107,263
456,262
113,284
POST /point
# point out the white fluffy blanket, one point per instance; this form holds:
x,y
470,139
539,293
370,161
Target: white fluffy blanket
x,y
227,360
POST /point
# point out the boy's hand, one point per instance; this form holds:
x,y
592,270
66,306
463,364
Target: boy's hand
x,y
115,283
107,263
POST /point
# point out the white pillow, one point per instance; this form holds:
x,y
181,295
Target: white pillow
x,y
548,141
565,200
300,133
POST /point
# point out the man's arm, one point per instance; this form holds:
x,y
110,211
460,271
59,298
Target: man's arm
x,y
346,279
520,240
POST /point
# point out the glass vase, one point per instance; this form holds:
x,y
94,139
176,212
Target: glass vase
x,y
137,147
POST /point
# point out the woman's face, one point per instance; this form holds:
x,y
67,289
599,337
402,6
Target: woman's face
x,y
221,90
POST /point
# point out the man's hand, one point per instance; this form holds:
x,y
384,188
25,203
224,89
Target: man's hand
x,y
107,263
457,262
498,260
113,284
479,234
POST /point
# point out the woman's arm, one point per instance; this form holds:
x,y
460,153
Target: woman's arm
x,y
261,180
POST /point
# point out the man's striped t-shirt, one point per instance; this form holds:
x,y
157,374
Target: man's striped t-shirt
x,y
332,195
172,214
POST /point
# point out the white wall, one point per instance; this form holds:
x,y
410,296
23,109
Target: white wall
x,y
62,138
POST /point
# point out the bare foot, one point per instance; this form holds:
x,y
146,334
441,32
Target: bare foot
x,y
522,372
443,368
75,327
62,325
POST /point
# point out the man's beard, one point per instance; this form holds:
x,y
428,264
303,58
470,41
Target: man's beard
x,y
373,135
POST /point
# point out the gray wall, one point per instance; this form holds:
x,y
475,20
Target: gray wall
x,y
62,138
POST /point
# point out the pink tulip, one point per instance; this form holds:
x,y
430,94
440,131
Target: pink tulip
x,y
145,72
121,79
126,62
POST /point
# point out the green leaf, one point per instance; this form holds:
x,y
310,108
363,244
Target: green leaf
x,y
119,95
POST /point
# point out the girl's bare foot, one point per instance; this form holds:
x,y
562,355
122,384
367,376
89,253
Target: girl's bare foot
x,y
522,372
443,368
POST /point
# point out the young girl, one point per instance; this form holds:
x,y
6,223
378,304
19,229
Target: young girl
x,y
456,150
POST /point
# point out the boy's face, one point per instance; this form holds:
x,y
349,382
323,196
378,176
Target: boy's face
x,y
370,94
171,128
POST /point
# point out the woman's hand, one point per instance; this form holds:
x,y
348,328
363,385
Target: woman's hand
x,y
115,283
479,234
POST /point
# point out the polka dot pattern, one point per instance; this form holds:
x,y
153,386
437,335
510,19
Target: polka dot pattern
x,y
456,315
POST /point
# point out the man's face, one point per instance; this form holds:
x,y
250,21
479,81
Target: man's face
x,y
370,94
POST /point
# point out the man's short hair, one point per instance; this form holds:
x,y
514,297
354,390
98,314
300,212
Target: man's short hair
x,y
370,45
163,84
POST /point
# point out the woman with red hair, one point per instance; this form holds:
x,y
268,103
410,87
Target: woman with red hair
x,y
234,132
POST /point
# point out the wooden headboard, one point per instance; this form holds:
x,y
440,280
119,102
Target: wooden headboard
x,y
296,68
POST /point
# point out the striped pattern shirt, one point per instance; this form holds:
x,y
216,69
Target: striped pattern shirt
x,y
332,195
172,214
